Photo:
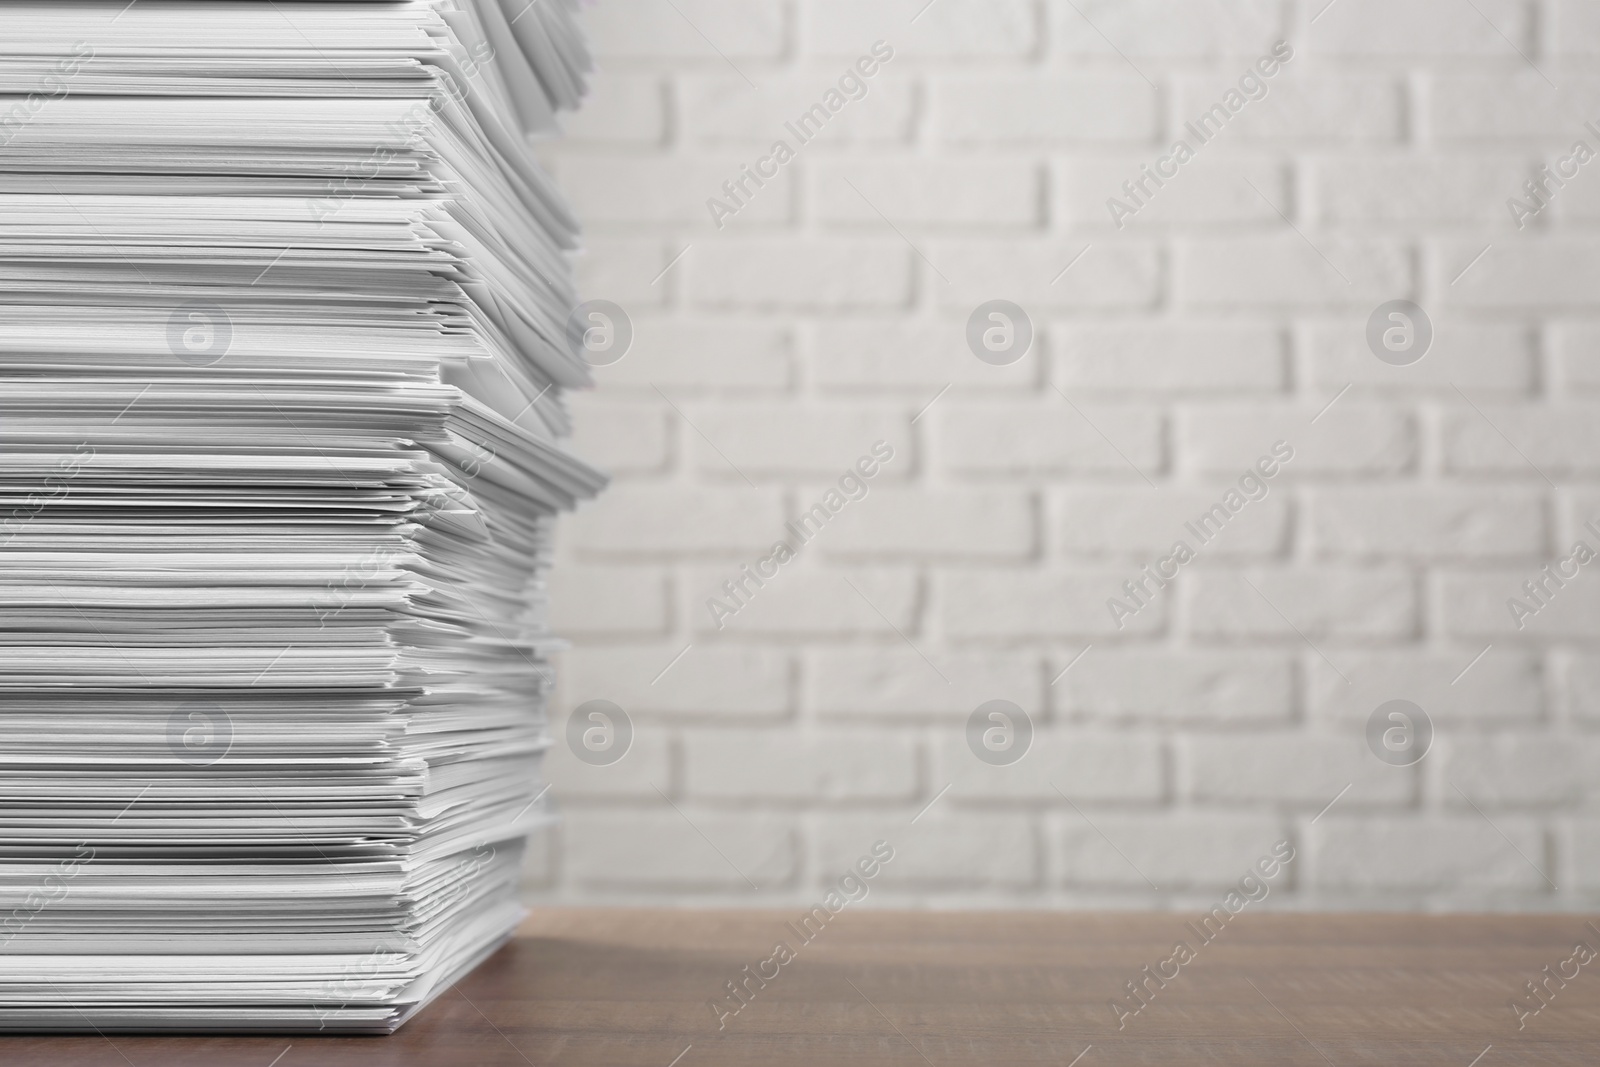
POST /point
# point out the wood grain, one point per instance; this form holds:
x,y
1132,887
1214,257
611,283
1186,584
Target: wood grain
x,y
879,988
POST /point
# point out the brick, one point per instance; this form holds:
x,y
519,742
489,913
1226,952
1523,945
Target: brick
x,y
719,108
797,439
1513,771
1505,686
1573,27
1476,355
1515,106
943,849
1575,204
607,601
1039,605
805,599
664,851
621,270
1414,192
685,358
1429,524
1532,273
620,109
668,520
1289,270
1216,192
642,29
1574,345
1394,537
1030,274
1009,108
1339,603
540,863
1409,30
1584,850
800,274
1174,851
1160,358
1050,437
1476,605
1423,853
1348,438
1086,767
667,191
825,767
1575,510
1308,771
1580,678
621,438
1102,522
1554,438
959,29
1299,106
896,683
919,523
707,681
646,767
1164,29
1213,687
910,356
924,193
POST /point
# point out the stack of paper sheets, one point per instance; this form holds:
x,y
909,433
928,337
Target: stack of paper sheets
x,y
283,297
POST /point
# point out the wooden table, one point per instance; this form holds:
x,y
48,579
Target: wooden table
x,y
631,987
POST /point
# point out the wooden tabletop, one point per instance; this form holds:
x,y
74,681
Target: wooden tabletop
x,y
632,988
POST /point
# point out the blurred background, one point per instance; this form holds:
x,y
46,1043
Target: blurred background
x,y
1358,263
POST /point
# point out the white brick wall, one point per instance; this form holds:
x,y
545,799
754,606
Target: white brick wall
x,y
1229,314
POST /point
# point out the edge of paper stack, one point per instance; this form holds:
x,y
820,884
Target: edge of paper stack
x,y
283,337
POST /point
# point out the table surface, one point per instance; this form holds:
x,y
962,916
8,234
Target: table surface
x,y
631,987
